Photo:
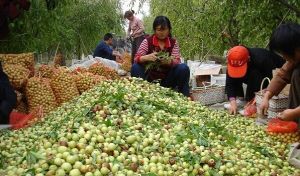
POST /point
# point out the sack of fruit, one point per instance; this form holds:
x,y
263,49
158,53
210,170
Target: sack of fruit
x,y
17,75
40,94
25,60
45,71
126,64
84,81
80,70
102,70
279,126
63,85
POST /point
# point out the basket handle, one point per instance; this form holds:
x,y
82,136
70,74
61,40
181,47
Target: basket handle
x,y
204,85
262,82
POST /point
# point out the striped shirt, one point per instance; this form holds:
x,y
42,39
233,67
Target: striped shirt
x,y
143,50
171,47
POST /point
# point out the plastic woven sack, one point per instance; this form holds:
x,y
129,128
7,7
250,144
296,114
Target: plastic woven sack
x,y
17,75
280,126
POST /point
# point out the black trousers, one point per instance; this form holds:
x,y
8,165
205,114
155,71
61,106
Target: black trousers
x,y
135,46
294,96
253,81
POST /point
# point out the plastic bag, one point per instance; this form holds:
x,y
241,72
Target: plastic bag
x,y
294,155
280,126
250,109
20,120
109,63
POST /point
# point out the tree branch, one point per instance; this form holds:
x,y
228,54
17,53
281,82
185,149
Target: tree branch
x,y
289,6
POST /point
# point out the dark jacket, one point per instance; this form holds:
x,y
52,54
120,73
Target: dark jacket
x,y
262,61
8,97
103,50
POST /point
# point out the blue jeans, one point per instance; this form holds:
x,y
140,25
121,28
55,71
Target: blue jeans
x,y
177,78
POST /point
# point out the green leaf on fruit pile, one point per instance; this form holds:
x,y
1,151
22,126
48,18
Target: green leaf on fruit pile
x,y
94,159
33,157
2,161
149,174
108,122
190,158
213,172
202,142
262,150
29,172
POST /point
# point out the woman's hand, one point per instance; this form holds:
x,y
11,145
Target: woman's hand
x,y
287,115
263,108
233,107
167,61
149,58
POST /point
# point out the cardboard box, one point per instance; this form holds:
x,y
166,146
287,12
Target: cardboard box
x,y
208,69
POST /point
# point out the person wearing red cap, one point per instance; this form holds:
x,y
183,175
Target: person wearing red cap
x,y
286,41
249,66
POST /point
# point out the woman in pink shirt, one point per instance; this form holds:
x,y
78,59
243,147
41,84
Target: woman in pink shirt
x,y
135,31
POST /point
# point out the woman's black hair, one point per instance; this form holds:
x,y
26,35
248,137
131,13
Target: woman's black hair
x,y
162,21
285,39
128,13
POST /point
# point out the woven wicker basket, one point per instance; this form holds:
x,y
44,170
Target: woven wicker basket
x,y
276,102
208,95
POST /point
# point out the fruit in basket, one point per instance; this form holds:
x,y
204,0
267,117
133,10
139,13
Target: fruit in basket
x,y
63,86
17,75
39,93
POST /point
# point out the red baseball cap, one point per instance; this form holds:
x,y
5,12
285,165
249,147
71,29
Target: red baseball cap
x,y
237,61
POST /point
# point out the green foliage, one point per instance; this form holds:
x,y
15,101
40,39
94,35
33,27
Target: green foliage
x,y
77,25
210,27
